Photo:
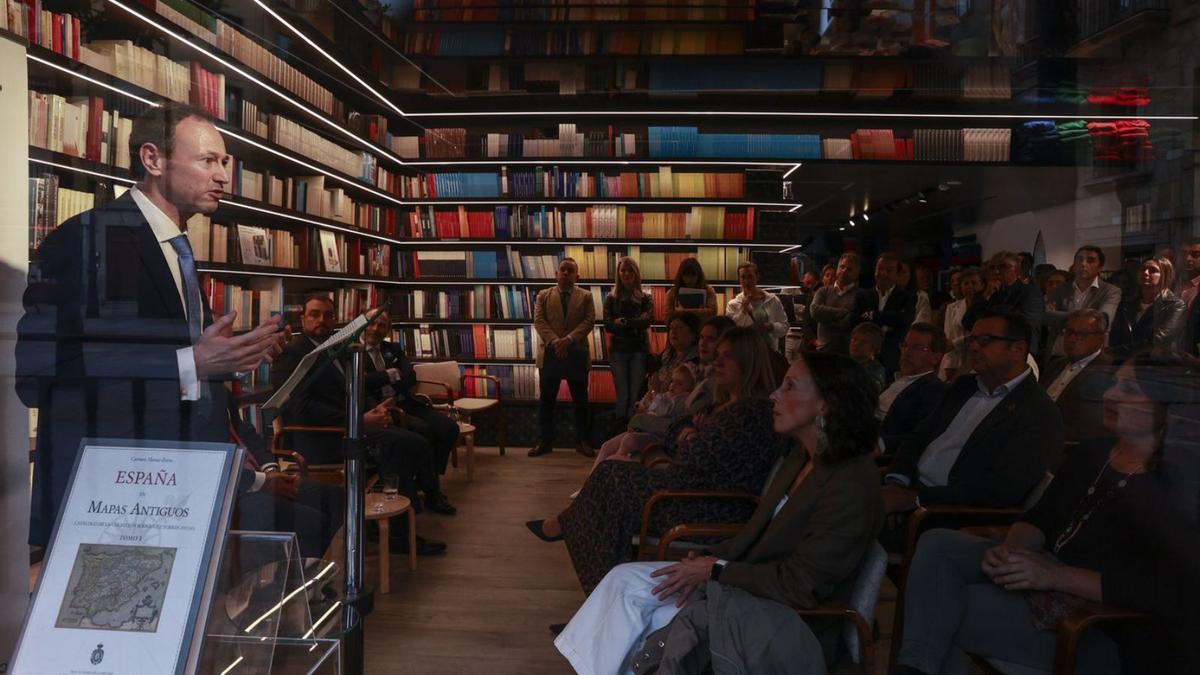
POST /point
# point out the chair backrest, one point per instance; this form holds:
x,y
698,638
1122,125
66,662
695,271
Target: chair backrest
x,y
444,372
865,595
1038,490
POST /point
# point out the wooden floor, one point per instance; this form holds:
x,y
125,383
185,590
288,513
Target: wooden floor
x,y
486,605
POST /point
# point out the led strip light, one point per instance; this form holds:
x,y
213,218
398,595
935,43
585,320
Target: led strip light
x,y
795,113
246,74
437,282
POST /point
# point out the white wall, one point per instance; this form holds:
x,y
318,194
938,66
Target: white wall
x,y
14,418
1091,219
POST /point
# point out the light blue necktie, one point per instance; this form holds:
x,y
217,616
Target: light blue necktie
x,y
191,285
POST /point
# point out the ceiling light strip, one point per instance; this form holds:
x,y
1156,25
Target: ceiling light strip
x,y
433,282
598,201
328,226
360,185
617,162
79,170
93,80
329,56
286,97
769,113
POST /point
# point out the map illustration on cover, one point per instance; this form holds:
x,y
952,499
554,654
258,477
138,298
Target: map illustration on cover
x,y
115,587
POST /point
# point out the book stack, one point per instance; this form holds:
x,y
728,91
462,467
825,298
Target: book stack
x,y
51,205
54,31
80,127
254,304
152,72
289,134
207,90
258,58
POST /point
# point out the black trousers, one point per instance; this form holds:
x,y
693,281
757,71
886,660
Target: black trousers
x,y
579,397
315,516
437,428
407,454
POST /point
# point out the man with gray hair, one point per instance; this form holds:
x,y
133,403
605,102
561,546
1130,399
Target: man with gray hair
x,y
1076,381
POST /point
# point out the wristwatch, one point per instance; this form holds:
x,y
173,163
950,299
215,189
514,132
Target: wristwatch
x,y
717,568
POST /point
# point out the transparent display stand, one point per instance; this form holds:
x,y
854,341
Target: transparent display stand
x,y
274,612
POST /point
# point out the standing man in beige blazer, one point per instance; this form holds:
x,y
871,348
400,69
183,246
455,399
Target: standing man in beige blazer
x,y
563,318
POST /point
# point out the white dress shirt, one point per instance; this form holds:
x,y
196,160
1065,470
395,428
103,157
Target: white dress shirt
x,y
933,469
1060,383
165,230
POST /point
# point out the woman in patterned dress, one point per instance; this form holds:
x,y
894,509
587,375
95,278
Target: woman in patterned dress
x,y
731,446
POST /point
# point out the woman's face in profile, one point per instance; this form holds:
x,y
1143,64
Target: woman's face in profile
x,y
797,401
727,372
1128,411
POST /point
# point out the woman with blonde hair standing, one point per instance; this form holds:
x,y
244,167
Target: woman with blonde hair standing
x,y
627,315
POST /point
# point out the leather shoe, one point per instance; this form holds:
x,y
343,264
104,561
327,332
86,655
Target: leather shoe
x,y
424,546
535,526
440,504
540,449
584,449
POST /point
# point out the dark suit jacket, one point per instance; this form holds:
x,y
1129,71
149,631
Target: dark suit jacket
x,y
914,404
1082,403
1002,460
96,349
1019,297
810,552
896,316
1191,331
319,401
378,383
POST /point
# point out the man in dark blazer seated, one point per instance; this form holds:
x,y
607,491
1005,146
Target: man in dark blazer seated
x,y
1076,382
321,401
917,390
1005,291
117,340
992,438
890,307
390,375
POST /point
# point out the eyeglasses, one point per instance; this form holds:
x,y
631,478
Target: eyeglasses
x,y
1076,333
985,340
904,346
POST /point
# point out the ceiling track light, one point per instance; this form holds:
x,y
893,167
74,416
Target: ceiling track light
x,y
866,217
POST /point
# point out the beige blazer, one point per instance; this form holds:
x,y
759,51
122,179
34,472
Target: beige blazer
x,y
550,324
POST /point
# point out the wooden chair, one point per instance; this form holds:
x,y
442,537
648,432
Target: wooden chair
x,y
288,458
444,380
859,612
958,517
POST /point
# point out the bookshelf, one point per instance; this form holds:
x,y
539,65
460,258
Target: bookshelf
x,y
495,197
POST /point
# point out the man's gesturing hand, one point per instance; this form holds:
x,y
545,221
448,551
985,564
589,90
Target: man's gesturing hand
x,y
219,351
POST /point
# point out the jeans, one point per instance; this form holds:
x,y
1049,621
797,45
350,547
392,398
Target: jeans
x,y
628,370
952,607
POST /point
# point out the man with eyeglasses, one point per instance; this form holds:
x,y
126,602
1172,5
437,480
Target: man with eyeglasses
x,y
990,440
1076,381
917,390
1005,291
1087,291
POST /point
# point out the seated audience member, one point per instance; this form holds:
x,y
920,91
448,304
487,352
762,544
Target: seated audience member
x,y
730,447
1105,532
683,334
755,308
835,307
390,375
321,401
917,390
865,342
1152,318
274,501
1075,381
1005,291
801,548
970,284
917,284
891,307
1087,291
690,275
645,430
669,403
990,440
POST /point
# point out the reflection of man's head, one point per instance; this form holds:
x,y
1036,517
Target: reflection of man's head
x,y
318,319
1085,333
378,329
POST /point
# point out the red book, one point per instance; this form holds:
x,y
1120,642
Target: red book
x,y
75,37
92,144
56,42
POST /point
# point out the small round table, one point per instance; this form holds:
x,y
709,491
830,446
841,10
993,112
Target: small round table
x,y
466,434
379,508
